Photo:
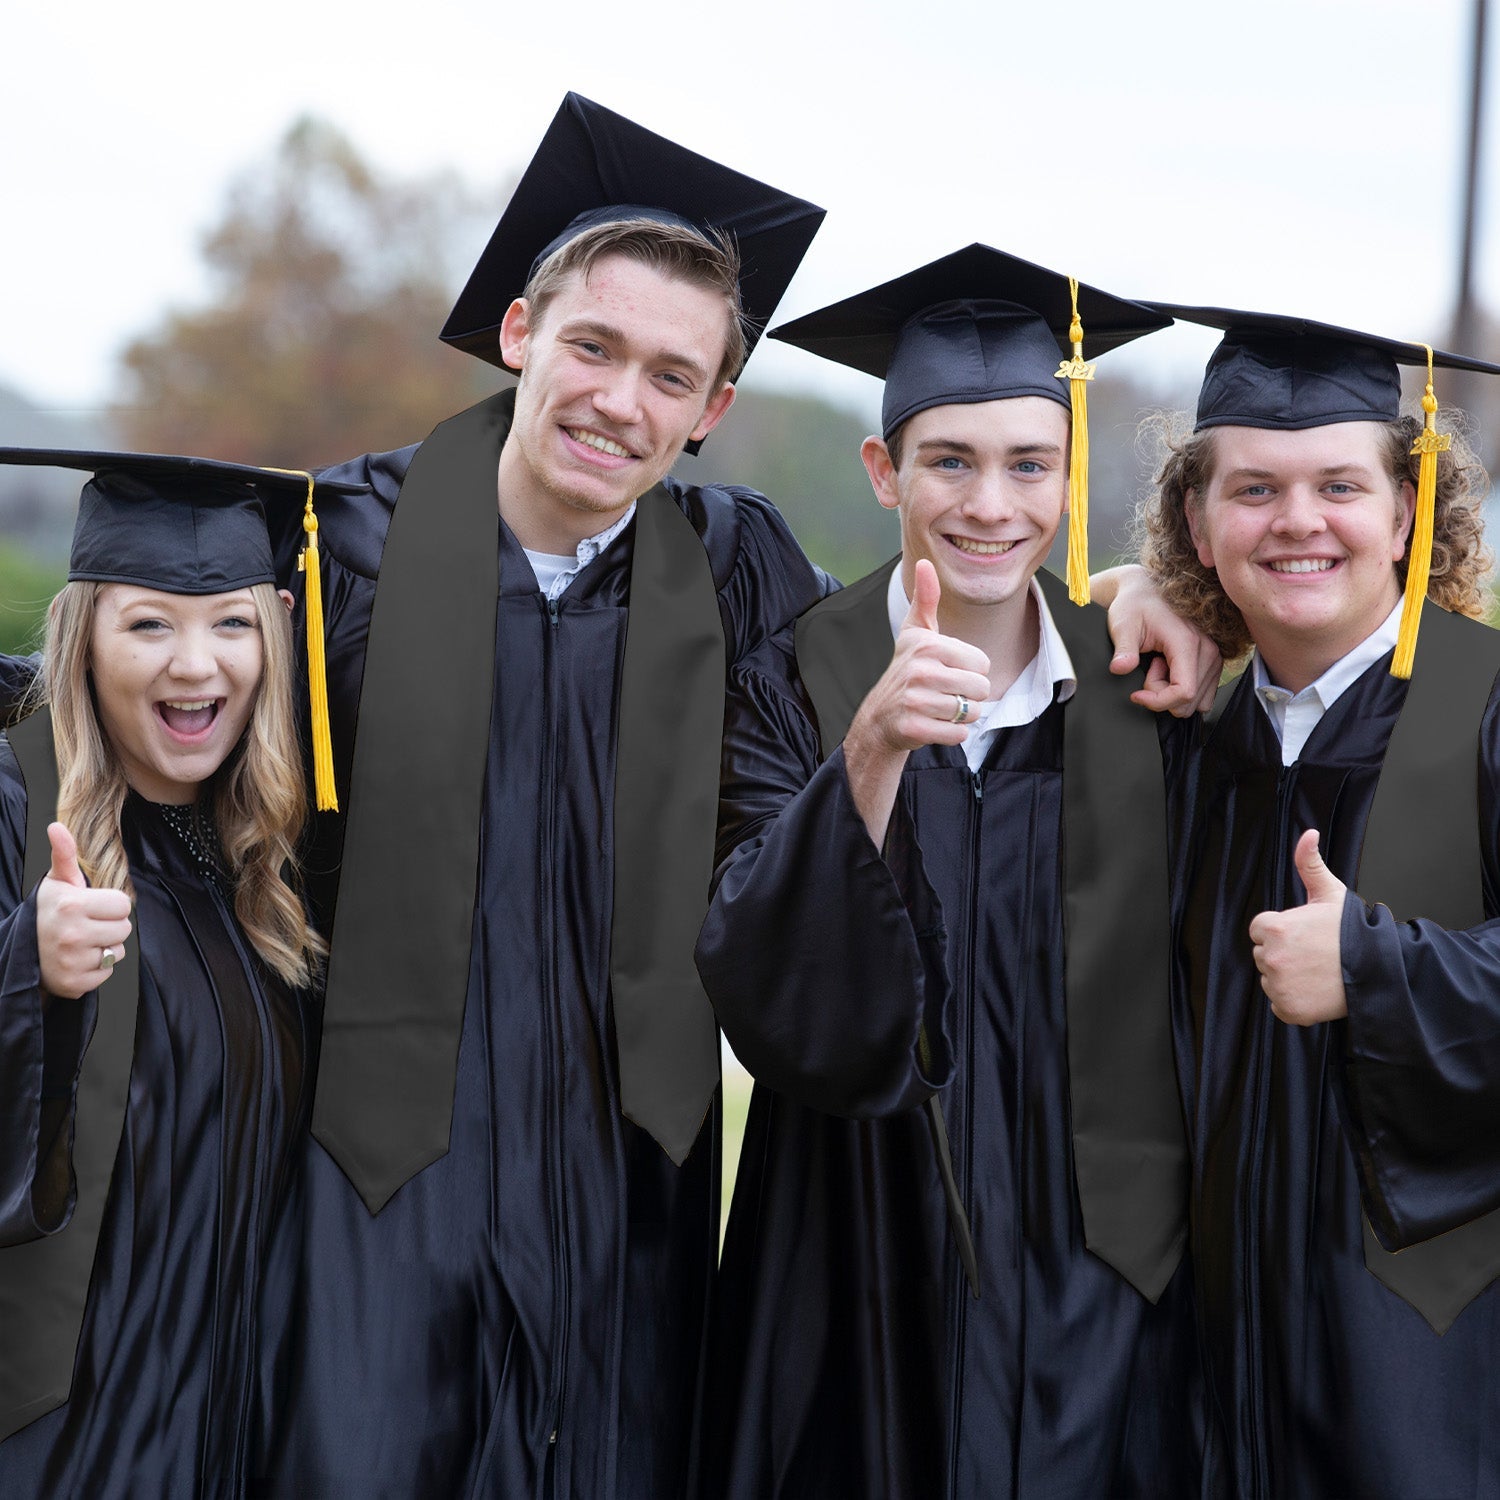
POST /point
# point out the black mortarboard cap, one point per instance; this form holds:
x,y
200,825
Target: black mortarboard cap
x,y
1291,373
594,166
977,325
196,526
182,525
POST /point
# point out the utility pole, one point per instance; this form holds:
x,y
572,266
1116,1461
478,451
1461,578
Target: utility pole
x,y
1466,335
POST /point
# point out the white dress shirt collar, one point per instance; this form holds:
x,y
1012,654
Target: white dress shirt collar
x,y
1294,716
555,571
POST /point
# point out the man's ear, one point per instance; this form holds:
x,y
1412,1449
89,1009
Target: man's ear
x,y
877,461
515,329
718,404
1196,529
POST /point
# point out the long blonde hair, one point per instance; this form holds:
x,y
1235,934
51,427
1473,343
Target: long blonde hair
x,y
259,794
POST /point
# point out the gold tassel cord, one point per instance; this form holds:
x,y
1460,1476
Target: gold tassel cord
x,y
1076,372
309,565
1430,442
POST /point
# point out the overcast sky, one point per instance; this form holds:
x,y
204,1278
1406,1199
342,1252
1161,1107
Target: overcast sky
x,y
1291,155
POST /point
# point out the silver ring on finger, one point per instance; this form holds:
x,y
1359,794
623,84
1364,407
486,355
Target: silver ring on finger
x,y
961,709
108,958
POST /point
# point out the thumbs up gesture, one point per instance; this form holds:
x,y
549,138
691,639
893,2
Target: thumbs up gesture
x,y
927,696
930,692
80,933
1297,951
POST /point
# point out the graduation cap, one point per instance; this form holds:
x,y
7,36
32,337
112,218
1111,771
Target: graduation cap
x,y
1289,374
596,167
981,325
195,526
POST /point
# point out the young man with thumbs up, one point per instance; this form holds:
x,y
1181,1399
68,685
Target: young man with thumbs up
x,y
959,1030
1339,1059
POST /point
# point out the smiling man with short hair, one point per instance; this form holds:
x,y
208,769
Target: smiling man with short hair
x,y
616,376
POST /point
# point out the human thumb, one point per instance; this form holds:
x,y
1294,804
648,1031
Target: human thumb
x,y
64,856
926,592
1322,884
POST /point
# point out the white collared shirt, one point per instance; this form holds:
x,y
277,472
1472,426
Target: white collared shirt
x,y
556,570
1048,673
1294,716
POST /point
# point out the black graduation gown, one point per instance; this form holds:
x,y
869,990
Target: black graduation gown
x,y
1323,1380
163,1392
526,1315
850,1357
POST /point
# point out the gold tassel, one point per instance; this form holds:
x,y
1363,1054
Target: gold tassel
x,y
1075,371
1430,442
308,564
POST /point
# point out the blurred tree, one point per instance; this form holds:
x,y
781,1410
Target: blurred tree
x,y
804,454
332,282
1121,463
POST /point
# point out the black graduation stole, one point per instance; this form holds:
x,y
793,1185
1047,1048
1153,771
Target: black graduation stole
x,y
44,1283
1129,1143
399,970
1421,858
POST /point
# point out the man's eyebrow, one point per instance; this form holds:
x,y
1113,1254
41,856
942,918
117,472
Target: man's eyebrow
x,y
968,450
945,445
607,333
1359,470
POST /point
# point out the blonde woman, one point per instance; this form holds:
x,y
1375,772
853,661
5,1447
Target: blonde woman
x,y
154,963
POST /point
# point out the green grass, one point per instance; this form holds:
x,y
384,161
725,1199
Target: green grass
x,y
26,587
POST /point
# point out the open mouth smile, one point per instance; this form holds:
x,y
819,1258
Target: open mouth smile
x,y
981,549
597,442
1303,565
188,720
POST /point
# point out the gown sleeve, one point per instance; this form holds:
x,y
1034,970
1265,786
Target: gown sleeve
x,y
1422,1049
823,956
351,537
42,1043
771,580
